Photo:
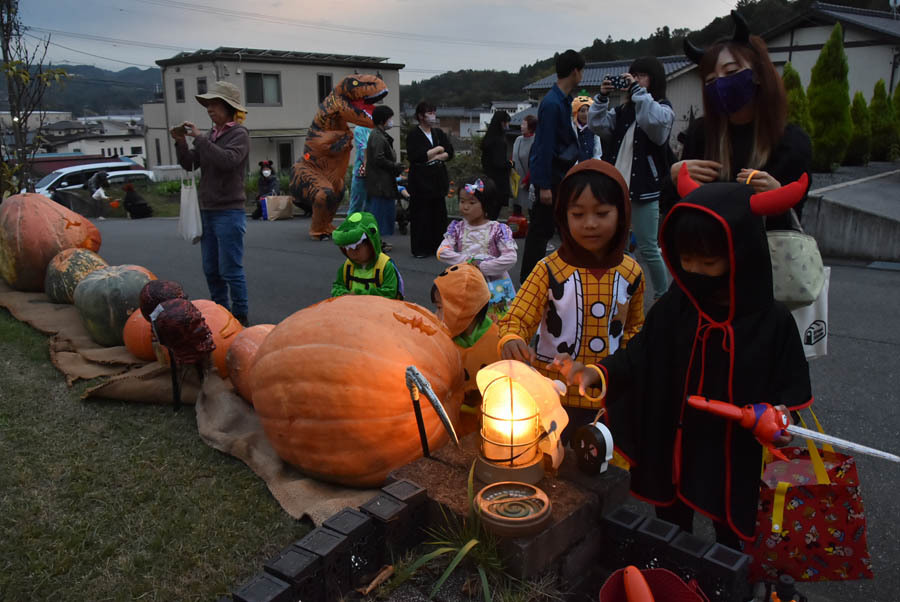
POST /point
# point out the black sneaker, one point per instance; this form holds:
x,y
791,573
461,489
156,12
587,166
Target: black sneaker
x,y
245,322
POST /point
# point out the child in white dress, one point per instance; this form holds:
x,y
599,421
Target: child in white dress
x,y
487,244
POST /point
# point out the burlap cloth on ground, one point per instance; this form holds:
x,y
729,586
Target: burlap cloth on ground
x,y
224,420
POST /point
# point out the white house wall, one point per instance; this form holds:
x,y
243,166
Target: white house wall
x,y
299,99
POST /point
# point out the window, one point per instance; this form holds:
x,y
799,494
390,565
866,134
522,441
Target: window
x,y
263,88
137,150
121,151
102,152
201,85
76,150
325,85
158,153
179,90
285,155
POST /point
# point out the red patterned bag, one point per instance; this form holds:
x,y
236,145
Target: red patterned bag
x,y
810,523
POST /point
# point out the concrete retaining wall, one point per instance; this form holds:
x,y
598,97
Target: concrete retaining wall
x,y
843,231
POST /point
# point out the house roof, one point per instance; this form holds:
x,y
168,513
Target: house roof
x,y
230,53
878,21
595,72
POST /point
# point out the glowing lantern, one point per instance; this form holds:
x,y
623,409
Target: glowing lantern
x,y
522,420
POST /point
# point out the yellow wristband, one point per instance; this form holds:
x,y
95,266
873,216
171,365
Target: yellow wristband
x,y
602,395
750,177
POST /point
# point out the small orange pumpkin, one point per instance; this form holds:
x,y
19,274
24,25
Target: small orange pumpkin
x,y
33,229
223,326
139,337
241,355
329,386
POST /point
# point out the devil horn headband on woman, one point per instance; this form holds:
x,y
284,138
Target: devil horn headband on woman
x,y
770,202
741,36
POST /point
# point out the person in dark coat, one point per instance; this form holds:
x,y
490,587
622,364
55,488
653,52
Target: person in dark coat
x,y
495,160
266,185
135,204
718,333
744,135
382,169
427,148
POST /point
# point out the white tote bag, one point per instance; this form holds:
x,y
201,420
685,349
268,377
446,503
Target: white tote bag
x,y
812,322
189,225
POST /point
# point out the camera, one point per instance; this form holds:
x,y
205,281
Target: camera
x,y
619,82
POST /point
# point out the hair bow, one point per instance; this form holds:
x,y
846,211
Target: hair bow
x,y
478,186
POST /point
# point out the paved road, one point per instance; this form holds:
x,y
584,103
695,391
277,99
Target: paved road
x,y
856,386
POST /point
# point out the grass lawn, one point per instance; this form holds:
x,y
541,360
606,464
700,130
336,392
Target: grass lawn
x,y
115,501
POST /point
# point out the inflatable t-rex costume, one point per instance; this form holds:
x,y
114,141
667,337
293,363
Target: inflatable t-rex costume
x,y
318,178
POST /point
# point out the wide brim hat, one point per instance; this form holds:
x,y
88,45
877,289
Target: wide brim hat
x,y
226,92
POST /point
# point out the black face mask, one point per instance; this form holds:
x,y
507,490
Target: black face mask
x,y
704,288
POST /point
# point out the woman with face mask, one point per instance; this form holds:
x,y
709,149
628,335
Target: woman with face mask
x,y
427,148
382,169
743,135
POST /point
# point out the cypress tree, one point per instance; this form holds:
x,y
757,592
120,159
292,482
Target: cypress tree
x,y
798,107
829,103
883,130
860,146
895,152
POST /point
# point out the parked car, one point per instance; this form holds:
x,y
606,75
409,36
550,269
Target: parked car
x,y
117,179
77,175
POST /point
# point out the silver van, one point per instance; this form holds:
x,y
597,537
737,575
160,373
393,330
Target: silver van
x,y
77,175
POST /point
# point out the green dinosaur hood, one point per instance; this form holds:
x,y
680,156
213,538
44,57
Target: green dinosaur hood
x,y
355,227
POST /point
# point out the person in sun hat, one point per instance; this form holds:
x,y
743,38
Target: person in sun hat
x,y
221,154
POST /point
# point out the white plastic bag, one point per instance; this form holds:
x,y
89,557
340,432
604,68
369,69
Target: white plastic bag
x,y
189,225
812,322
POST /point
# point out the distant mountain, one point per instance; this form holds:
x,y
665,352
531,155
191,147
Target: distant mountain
x,y
477,88
89,90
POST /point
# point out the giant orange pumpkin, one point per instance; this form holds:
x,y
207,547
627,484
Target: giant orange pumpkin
x,y
33,229
242,354
139,337
329,386
224,328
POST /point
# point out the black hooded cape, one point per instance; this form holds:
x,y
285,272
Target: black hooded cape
x,y
747,353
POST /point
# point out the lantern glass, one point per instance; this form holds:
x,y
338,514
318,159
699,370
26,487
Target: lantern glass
x,y
510,428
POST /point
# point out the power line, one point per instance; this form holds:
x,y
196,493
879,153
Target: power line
x,y
96,56
96,38
281,20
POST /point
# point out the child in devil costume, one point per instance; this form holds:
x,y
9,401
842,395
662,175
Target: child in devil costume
x,y
718,333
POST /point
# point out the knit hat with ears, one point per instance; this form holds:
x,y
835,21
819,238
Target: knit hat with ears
x,y
570,251
580,101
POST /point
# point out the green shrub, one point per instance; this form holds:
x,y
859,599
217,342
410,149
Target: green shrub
x,y
798,106
883,126
168,188
895,102
860,147
829,103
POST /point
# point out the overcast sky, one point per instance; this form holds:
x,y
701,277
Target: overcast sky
x,y
428,36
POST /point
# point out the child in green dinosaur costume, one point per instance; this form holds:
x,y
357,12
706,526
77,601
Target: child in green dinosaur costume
x,y
367,271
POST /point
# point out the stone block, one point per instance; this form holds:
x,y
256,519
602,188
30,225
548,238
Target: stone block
x,y
685,557
619,528
334,550
263,587
365,556
725,574
654,536
300,568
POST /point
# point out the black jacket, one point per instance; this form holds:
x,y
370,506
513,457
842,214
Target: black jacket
x,y
382,167
427,179
495,163
791,158
746,353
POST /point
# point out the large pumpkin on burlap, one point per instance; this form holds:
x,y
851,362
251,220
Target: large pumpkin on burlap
x,y
224,328
105,299
66,270
138,337
241,356
329,387
33,229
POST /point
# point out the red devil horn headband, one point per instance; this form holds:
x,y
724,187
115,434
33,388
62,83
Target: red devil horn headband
x,y
773,202
770,202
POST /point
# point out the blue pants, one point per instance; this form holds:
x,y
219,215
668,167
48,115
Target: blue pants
x,y
385,212
357,195
645,224
222,248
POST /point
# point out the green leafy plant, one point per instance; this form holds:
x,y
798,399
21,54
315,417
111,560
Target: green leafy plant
x,y
168,188
883,126
798,106
829,103
860,146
